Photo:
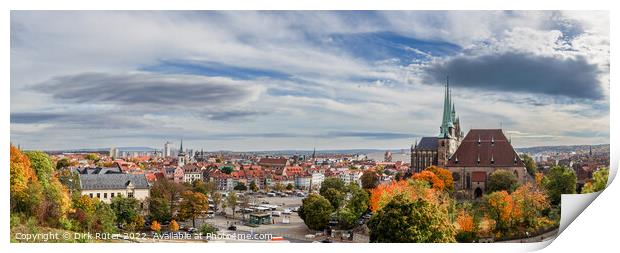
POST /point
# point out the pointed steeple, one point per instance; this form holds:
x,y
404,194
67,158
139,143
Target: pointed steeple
x,y
313,153
447,120
181,149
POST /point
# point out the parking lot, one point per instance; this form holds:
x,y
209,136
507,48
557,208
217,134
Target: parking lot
x,y
294,231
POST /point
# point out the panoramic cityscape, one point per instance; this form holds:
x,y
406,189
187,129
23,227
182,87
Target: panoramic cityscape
x,y
304,126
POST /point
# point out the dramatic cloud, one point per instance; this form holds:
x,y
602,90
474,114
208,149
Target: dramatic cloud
x,y
149,89
526,73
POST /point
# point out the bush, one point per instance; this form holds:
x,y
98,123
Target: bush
x,y
207,229
502,180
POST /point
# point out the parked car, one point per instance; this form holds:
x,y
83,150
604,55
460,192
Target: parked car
x,y
276,213
295,209
271,194
286,211
232,228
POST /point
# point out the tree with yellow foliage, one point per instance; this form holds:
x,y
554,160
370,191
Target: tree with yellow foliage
x,y
174,226
25,192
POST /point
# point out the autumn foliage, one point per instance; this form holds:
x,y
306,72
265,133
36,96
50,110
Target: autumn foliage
x,y
438,178
21,171
465,222
522,207
411,190
174,226
155,226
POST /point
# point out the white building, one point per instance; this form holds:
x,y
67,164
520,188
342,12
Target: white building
x,y
351,177
191,173
317,179
167,149
107,186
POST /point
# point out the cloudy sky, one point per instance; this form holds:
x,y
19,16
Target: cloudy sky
x,y
297,80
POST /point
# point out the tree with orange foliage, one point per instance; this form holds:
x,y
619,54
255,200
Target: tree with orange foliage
x,y
529,202
155,226
410,189
431,178
174,226
465,221
465,227
444,175
500,205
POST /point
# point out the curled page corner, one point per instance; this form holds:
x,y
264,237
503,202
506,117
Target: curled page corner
x,y
574,204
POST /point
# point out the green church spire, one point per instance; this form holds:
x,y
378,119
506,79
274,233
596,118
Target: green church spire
x,y
447,120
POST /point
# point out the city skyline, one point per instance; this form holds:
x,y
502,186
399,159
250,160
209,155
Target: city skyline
x,y
299,80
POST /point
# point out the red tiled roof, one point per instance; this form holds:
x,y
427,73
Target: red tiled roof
x,y
489,146
273,161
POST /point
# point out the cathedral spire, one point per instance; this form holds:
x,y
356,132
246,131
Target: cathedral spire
x,y
447,120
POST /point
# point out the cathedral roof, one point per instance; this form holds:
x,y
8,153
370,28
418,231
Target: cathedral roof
x,y
427,143
485,148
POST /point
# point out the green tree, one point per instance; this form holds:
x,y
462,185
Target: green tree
x,y
598,183
42,165
231,201
126,210
530,164
332,183
169,190
315,211
240,187
404,221
502,180
211,187
227,169
92,157
159,209
63,164
93,215
347,219
358,200
55,203
193,205
200,186
290,186
279,187
104,218
369,179
335,197
253,186
217,199
71,180
560,180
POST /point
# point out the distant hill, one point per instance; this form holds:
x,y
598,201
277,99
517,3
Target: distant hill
x,y
563,149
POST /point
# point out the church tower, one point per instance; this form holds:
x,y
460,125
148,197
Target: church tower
x,y
181,157
450,133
